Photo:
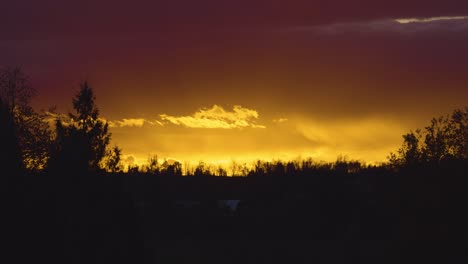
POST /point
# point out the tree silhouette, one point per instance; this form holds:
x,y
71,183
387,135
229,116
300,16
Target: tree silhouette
x,y
410,152
174,169
113,160
445,138
153,165
202,169
82,138
15,88
436,139
458,134
10,154
32,131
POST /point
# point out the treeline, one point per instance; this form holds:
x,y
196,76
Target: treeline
x,y
49,142
260,168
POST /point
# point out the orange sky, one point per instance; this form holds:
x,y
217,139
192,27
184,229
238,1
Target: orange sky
x,y
247,80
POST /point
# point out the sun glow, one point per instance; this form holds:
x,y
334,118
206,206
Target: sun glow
x,y
217,137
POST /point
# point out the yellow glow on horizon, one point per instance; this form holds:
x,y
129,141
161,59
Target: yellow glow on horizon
x,y
248,160
368,140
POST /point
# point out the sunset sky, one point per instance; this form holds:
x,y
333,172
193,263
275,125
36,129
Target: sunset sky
x,y
241,80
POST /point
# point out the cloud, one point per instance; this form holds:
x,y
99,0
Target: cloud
x,y
371,139
428,19
50,118
393,25
133,122
214,117
217,117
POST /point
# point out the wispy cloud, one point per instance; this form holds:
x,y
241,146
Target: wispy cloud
x,y
50,118
393,25
371,139
429,19
133,122
217,117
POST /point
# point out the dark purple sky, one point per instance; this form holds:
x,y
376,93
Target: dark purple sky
x,y
322,65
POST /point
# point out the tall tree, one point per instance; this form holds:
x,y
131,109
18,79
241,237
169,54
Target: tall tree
x,y
82,138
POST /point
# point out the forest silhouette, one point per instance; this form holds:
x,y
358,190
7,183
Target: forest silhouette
x,y
67,197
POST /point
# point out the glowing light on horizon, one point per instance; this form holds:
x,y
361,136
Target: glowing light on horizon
x,y
246,160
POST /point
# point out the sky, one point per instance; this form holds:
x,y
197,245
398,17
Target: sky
x,y
224,81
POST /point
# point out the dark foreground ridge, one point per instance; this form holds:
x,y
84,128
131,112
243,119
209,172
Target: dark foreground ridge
x,y
375,215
